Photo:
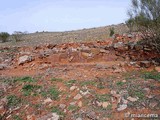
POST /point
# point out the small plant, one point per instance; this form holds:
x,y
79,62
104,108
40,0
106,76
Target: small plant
x,y
55,109
103,97
120,83
73,108
4,36
139,94
25,79
111,31
83,83
152,75
13,101
16,117
30,89
57,79
53,93
70,83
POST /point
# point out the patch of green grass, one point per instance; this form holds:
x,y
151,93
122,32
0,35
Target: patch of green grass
x,y
16,117
120,83
73,108
152,75
55,109
139,94
25,79
13,101
30,89
70,83
56,79
87,83
103,97
53,93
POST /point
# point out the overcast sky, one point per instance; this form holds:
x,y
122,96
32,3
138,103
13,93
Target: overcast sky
x,y
60,15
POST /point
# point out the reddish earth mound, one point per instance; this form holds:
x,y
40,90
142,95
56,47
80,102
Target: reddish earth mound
x,y
79,81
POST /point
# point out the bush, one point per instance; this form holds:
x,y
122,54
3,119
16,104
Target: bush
x,y
111,32
144,15
4,36
18,36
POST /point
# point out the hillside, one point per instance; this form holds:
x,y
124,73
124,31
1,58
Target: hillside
x,y
49,77
85,35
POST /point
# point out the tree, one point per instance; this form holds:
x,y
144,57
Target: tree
x,y
4,36
145,16
18,35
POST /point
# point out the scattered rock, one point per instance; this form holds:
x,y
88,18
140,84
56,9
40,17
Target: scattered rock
x,y
157,69
79,118
132,99
77,97
48,100
80,104
62,106
73,88
3,66
122,107
51,116
24,59
147,90
138,47
73,103
118,45
153,104
92,115
145,64
105,104
84,92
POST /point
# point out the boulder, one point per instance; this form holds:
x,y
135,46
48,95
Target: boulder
x,y
145,64
24,59
3,66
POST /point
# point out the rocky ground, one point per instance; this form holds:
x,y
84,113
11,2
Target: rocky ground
x,y
103,80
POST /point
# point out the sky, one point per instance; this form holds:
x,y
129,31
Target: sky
x,y
60,15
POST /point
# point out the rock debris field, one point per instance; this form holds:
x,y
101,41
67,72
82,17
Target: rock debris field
x,y
101,80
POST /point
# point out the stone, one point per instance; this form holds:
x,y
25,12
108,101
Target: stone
x,y
145,64
72,103
132,99
157,69
138,47
104,51
105,104
73,88
153,104
84,92
147,90
3,66
79,118
80,104
77,97
92,115
84,54
48,100
122,107
50,116
118,45
62,106
24,59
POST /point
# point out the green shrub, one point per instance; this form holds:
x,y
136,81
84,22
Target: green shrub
x,y
111,31
13,101
4,36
